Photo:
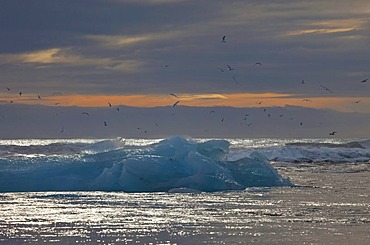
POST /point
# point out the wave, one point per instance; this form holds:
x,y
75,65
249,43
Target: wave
x,y
174,164
313,152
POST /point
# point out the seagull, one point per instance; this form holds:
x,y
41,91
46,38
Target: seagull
x,y
332,133
173,95
257,63
38,96
110,105
8,89
20,93
236,81
326,88
222,70
307,100
85,113
364,81
356,102
165,66
212,112
105,123
174,105
223,39
260,102
230,68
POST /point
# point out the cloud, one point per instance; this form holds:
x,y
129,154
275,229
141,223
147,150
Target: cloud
x,y
67,57
330,26
119,41
149,1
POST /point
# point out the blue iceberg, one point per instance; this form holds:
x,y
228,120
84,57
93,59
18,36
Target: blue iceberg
x,y
175,165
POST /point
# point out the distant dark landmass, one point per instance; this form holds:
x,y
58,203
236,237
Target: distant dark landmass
x,y
35,121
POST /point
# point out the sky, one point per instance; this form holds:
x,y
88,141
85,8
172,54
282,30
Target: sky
x,y
153,53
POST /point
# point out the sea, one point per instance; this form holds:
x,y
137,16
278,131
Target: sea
x,y
182,190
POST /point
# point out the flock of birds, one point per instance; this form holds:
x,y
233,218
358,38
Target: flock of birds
x,y
228,68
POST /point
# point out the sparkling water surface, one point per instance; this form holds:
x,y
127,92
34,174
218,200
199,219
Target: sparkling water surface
x,y
329,205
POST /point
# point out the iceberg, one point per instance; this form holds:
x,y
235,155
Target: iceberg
x,y
172,165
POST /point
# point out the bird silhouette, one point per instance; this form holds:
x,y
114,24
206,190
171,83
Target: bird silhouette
x,y
110,105
105,123
257,63
229,68
38,96
333,133
234,79
326,88
174,95
174,105
223,39
364,81
20,93
85,113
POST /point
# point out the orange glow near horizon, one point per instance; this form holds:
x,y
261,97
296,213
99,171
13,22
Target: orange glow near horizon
x,y
344,104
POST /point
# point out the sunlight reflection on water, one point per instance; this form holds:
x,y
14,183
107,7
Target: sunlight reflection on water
x,y
259,215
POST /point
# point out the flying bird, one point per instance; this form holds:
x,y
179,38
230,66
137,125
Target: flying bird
x,y
173,95
236,81
8,89
302,82
110,105
38,96
20,93
85,113
332,133
326,88
174,105
364,81
307,100
105,123
230,68
257,63
223,39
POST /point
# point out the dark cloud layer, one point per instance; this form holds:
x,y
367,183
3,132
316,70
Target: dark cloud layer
x,y
122,47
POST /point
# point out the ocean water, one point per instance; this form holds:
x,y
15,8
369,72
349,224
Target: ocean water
x,y
185,191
